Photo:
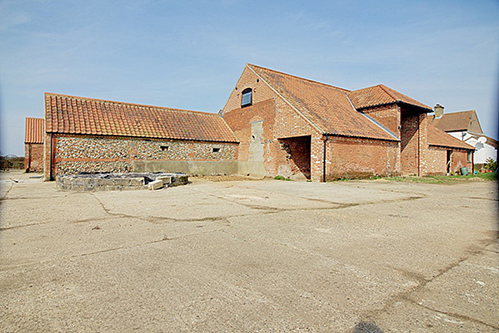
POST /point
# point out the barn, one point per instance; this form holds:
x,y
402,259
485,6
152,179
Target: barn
x,y
86,135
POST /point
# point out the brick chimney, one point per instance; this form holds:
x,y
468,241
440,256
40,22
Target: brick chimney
x,y
439,111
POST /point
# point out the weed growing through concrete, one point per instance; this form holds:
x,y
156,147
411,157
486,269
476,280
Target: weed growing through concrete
x,y
282,178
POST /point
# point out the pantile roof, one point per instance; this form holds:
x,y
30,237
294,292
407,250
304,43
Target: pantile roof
x,y
381,95
437,137
35,130
327,107
78,115
455,121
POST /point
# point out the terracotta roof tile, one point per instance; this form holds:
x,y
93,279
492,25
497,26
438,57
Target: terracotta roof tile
x,y
437,137
454,121
381,95
35,130
325,106
78,115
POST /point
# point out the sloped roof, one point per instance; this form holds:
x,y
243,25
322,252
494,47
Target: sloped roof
x,y
381,95
78,115
454,121
327,107
34,130
437,137
490,141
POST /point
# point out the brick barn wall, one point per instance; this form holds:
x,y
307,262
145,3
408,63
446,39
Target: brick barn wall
x,y
388,116
33,157
280,121
436,161
358,158
413,145
74,154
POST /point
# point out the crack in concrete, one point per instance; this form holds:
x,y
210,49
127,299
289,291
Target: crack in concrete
x,y
423,282
482,198
453,314
81,255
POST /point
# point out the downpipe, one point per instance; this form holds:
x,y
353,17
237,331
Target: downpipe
x,y
324,158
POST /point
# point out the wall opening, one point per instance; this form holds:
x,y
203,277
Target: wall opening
x,y
297,150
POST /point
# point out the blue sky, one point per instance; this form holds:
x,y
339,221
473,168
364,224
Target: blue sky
x,y
189,54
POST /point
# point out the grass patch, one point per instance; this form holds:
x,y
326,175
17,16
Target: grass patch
x,y
279,177
444,179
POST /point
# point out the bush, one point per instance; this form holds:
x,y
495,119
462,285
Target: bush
x,y
490,164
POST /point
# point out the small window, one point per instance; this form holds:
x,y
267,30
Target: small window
x,y
164,148
246,99
216,149
469,155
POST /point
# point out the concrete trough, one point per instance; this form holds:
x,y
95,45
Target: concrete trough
x,y
120,181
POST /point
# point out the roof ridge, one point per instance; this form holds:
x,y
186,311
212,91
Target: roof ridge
x,y
299,77
128,103
382,86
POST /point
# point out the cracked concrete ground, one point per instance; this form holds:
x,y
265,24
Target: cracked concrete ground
x,y
250,256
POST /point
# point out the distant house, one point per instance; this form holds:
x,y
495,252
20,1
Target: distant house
x,y
33,144
295,127
91,135
465,126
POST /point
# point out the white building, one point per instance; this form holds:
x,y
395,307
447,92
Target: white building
x,y
465,126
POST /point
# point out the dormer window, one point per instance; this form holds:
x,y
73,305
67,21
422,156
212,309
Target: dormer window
x,y
246,99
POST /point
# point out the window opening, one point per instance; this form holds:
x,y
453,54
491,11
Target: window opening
x,y
164,148
216,149
246,99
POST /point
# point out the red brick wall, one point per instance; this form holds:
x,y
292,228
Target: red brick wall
x,y
33,157
388,116
414,143
280,121
437,160
459,159
356,157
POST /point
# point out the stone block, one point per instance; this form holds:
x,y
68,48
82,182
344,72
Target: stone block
x,y
167,180
154,185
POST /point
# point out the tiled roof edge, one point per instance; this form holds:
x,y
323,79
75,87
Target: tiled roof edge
x,y
131,104
144,137
361,137
317,128
448,146
298,77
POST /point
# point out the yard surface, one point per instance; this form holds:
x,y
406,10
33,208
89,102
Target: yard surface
x,y
250,256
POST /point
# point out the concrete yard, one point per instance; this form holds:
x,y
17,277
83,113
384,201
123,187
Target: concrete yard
x,y
250,256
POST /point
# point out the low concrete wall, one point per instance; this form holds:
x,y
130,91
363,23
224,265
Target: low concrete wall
x,y
206,168
252,168
120,182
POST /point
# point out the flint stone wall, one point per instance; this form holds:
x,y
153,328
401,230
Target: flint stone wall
x,y
75,154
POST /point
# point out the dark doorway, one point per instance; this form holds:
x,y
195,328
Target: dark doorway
x,y
298,154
